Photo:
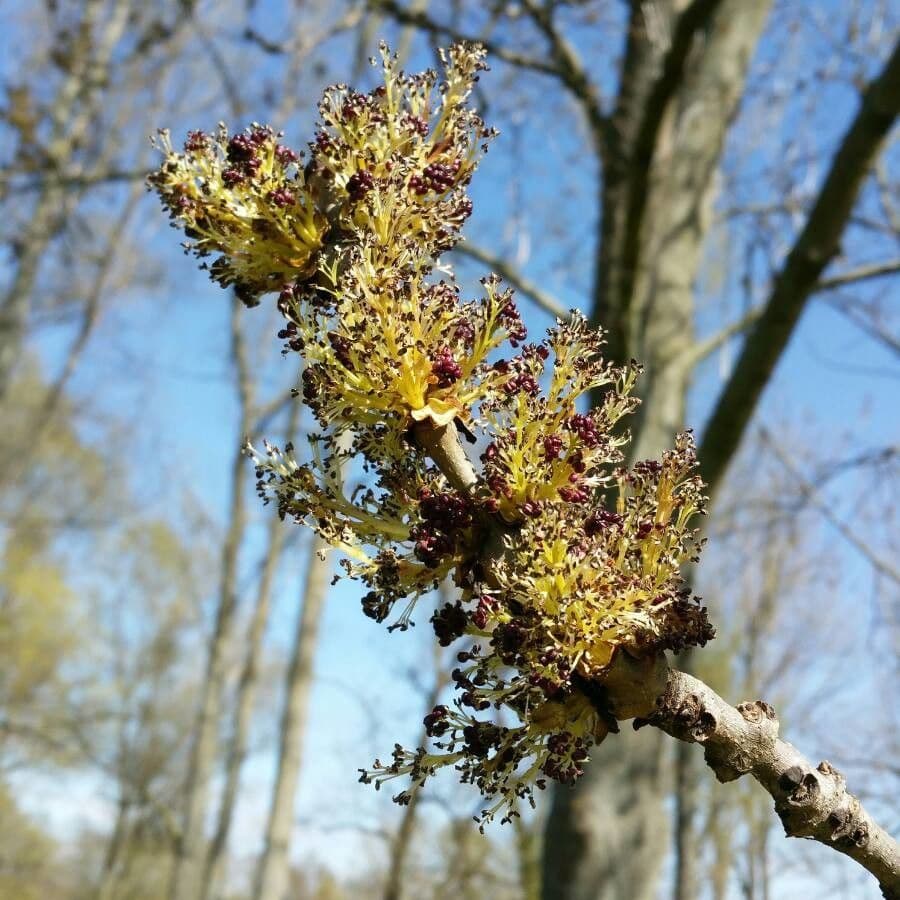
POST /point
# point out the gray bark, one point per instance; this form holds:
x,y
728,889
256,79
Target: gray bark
x,y
246,695
608,838
274,867
190,858
812,802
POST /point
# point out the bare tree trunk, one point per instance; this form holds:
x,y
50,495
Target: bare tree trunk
x,y
246,694
113,851
186,883
608,837
399,850
528,855
723,848
272,874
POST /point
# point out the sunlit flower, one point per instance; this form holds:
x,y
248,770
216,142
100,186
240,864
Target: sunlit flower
x,y
563,557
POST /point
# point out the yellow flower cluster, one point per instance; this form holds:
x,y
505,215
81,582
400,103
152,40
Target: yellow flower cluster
x,y
564,558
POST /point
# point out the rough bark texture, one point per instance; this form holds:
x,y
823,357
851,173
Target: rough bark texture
x,y
811,801
608,837
274,866
605,841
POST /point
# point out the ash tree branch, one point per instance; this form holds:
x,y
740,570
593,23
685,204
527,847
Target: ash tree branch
x,y
867,323
574,77
565,64
795,283
809,494
523,285
855,276
811,801
705,347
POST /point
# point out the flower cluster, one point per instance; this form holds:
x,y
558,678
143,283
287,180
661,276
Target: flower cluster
x,y
564,557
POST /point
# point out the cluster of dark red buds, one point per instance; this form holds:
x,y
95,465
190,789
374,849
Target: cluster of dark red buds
x,y
446,368
359,184
482,737
586,429
481,615
449,623
600,520
436,722
243,155
512,322
283,197
471,695
438,177
567,753
553,446
290,336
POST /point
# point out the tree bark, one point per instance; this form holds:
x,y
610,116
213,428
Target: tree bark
x,y
608,837
811,802
246,696
272,874
190,858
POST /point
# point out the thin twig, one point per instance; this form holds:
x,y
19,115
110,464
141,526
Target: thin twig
x,y
523,285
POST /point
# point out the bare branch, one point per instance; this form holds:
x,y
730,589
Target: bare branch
x,y
707,346
809,493
305,41
855,276
811,801
441,443
574,76
67,181
865,322
523,285
795,283
419,19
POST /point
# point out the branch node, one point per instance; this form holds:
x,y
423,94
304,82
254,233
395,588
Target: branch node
x,y
727,766
694,719
848,828
757,711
